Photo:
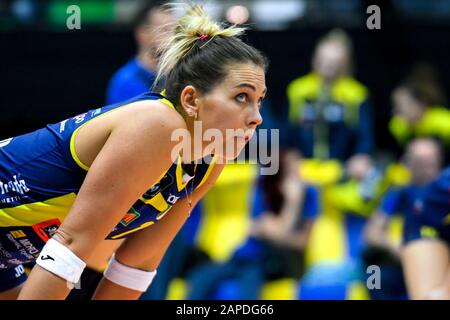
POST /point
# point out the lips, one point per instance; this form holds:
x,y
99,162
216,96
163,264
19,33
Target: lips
x,y
246,136
249,135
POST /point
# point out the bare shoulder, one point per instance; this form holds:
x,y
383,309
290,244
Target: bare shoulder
x,y
146,122
150,124
158,115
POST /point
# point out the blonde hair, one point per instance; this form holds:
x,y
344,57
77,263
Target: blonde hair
x,y
195,23
199,50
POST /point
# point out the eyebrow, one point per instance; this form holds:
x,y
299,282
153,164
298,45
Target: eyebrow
x,y
248,85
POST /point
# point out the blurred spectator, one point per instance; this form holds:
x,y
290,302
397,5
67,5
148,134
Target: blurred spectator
x,y
282,216
426,240
329,112
418,109
423,158
152,24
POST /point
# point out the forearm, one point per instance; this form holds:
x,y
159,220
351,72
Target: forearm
x,y
289,212
38,284
376,234
108,290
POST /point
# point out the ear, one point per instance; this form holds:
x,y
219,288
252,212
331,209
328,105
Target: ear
x,y
189,100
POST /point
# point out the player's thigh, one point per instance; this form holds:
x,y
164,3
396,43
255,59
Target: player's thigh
x,y
11,281
425,263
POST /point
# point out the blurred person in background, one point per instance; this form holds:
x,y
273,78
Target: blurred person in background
x,y
329,111
283,212
423,158
418,109
426,255
151,27
330,122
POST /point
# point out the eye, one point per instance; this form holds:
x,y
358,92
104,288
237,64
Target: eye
x,y
260,102
242,97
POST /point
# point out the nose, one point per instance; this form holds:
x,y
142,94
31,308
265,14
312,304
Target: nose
x,y
255,118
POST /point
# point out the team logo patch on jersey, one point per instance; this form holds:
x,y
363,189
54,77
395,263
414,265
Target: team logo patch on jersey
x,y
129,217
45,230
165,182
18,234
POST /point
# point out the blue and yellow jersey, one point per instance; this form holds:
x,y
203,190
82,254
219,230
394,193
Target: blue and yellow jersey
x,y
431,215
434,123
41,174
332,122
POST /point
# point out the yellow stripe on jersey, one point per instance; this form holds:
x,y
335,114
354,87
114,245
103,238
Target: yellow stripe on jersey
x,y
72,150
32,213
72,138
208,171
428,232
142,226
179,175
158,202
167,102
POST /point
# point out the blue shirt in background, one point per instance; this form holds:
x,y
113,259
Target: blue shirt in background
x,y
401,200
130,80
431,217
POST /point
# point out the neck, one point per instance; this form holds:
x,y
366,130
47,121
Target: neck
x,y
195,150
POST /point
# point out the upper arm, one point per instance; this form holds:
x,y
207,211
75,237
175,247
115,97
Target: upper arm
x,y
132,159
376,228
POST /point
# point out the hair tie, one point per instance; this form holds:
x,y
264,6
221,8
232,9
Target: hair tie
x,y
202,37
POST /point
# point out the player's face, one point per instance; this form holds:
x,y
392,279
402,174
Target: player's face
x,y
232,107
406,106
160,26
330,60
423,162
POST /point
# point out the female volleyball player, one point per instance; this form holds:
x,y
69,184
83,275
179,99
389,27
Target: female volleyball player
x,y
426,256
109,172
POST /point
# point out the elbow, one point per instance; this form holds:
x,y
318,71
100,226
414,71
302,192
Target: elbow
x,y
74,242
